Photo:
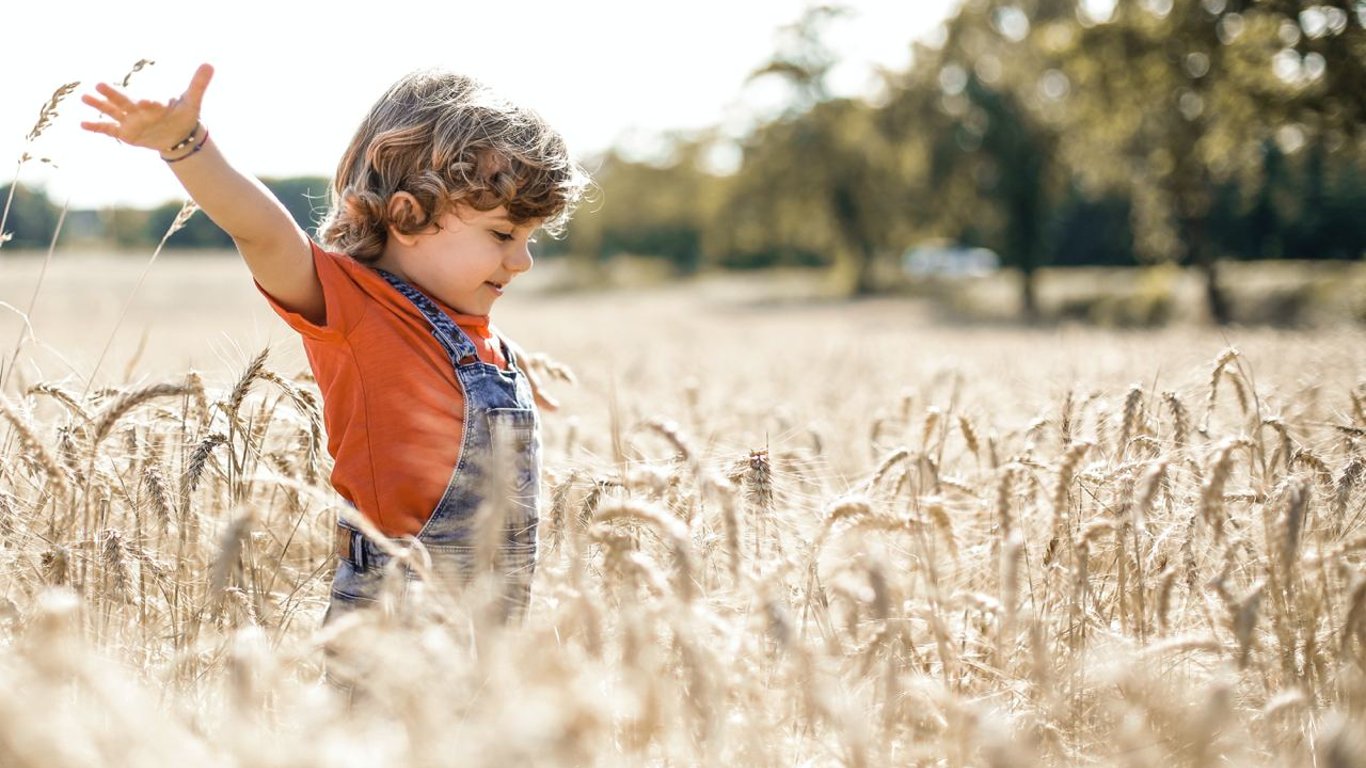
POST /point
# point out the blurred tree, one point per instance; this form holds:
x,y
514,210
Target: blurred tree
x,y
127,228
816,186
1318,200
802,60
199,233
654,209
817,180
1086,231
32,217
1264,238
1172,99
1321,57
303,196
1313,111
972,107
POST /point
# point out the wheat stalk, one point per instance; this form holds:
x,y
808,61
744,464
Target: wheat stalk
x,y
28,440
110,415
1216,373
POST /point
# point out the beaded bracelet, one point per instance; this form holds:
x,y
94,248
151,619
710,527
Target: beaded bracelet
x,y
185,142
197,147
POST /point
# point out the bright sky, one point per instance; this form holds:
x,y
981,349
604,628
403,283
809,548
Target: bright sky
x,y
293,79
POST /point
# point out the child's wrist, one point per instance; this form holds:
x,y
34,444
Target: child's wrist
x,y
186,142
187,146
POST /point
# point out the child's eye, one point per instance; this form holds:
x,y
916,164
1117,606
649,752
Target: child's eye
x,y
502,237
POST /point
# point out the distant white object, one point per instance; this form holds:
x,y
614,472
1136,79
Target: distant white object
x,y
949,261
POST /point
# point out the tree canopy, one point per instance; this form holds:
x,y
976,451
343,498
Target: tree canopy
x,y
1054,132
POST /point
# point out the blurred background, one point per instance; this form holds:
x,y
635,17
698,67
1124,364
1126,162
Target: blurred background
x,y
1118,162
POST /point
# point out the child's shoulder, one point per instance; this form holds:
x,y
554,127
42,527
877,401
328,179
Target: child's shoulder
x,y
362,279
349,287
323,256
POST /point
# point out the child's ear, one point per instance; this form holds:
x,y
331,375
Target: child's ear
x,y
405,214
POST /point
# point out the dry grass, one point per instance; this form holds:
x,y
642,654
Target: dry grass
x,y
819,534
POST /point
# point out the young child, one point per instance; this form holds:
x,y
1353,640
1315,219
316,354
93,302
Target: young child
x,y
430,418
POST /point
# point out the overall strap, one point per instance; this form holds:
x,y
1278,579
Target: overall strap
x,y
456,343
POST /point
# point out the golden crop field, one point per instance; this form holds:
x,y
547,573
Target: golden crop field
x,y
775,532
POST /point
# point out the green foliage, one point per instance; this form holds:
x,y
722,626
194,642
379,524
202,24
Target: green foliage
x,y
305,197
1182,132
812,184
815,180
32,217
1089,231
650,209
198,233
129,228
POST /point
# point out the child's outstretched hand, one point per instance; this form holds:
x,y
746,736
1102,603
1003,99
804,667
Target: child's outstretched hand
x,y
147,123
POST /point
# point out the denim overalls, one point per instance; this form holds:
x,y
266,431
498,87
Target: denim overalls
x,y
497,478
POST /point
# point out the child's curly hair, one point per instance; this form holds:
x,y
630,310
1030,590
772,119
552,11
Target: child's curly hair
x,y
445,139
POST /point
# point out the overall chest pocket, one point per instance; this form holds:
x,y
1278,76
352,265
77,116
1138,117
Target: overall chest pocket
x,y
515,442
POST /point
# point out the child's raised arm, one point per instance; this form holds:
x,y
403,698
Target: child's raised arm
x,y
276,250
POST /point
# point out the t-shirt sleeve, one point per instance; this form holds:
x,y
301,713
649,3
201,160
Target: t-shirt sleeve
x,y
343,299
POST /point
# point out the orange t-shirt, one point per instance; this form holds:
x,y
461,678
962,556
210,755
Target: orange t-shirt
x,y
392,406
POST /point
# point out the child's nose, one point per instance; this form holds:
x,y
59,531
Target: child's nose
x,y
520,260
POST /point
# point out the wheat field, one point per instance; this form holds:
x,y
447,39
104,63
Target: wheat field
x,y
773,533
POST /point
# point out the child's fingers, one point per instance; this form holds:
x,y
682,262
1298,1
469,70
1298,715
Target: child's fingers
x,y
198,84
103,106
114,96
108,129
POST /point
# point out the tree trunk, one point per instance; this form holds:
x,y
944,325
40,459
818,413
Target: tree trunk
x,y
865,282
1216,302
859,275
1029,299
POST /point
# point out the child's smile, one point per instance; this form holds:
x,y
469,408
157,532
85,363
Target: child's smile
x,y
466,261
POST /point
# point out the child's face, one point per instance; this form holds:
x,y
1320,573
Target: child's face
x,y
469,259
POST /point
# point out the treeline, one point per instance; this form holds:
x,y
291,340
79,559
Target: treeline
x,y
1051,131
33,219
1054,132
